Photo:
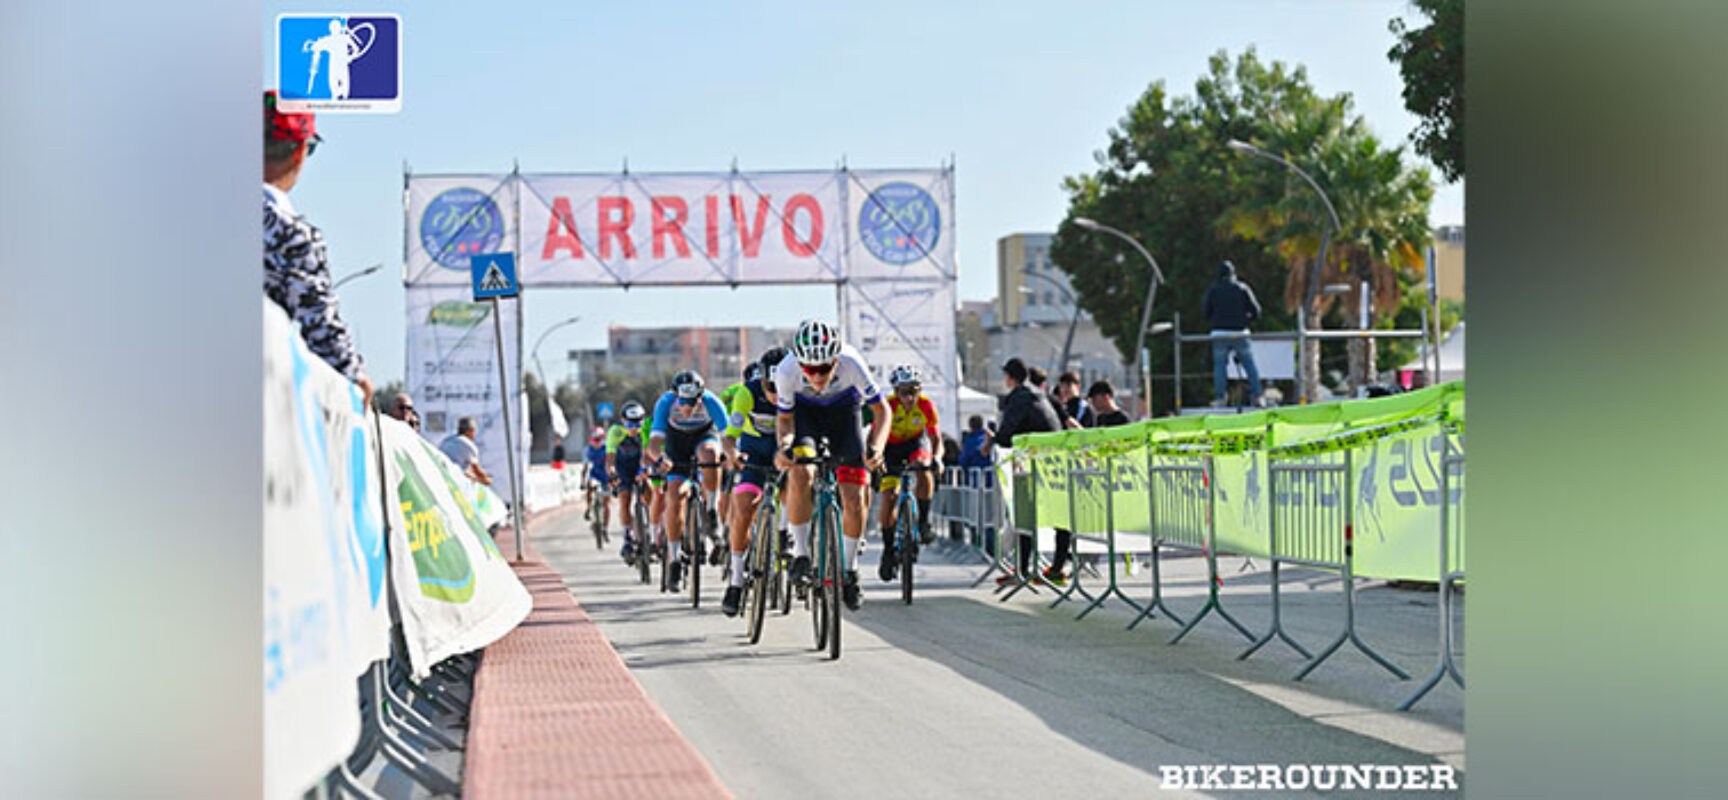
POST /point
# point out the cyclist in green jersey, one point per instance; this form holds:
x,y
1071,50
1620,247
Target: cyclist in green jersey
x,y
624,447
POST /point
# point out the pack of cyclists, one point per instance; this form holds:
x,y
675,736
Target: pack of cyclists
x,y
816,388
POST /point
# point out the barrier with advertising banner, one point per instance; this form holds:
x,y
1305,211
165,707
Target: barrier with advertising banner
x,y
1397,444
886,236
362,517
454,590
325,618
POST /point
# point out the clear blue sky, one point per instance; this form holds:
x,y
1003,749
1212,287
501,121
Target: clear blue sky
x,y
1020,93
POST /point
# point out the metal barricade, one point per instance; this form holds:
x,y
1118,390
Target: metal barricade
x,y
1283,480
1024,521
1314,518
1110,478
1081,475
1182,501
1451,568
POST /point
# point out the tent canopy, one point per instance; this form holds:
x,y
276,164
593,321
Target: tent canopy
x,y
1451,356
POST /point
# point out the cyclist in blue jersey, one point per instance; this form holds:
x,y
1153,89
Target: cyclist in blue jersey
x,y
596,457
687,424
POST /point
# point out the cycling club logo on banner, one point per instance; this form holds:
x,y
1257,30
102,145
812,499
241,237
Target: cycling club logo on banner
x,y
339,63
459,223
899,223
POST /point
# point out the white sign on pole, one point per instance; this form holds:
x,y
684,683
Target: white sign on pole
x,y
453,369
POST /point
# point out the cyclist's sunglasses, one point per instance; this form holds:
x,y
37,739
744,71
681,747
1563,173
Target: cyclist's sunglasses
x,y
687,401
312,144
817,369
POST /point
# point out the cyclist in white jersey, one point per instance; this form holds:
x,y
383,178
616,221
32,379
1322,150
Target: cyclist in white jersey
x,y
819,392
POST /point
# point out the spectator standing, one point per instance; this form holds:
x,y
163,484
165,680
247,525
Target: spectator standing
x,y
974,446
296,268
402,408
1230,307
460,447
1069,402
1102,400
1024,410
557,452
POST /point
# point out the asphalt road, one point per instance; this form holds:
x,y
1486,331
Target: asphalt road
x,y
960,695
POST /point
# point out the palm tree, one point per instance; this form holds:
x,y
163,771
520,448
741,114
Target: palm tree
x,y
1382,209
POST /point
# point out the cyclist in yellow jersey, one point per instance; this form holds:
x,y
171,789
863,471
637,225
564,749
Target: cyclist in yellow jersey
x,y
730,473
623,461
749,444
913,437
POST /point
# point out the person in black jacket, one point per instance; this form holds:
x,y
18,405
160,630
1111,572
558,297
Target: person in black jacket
x,y
1023,410
1230,306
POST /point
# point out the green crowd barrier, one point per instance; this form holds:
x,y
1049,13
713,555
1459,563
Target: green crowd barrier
x,y
1397,447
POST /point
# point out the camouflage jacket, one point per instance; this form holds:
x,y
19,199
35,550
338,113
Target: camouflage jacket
x,y
297,278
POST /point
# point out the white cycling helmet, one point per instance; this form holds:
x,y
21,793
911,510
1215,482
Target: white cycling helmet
x,y
816,343
903,375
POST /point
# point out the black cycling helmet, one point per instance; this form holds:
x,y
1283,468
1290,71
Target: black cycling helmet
x,y
752,371
770,359
688,384
633,412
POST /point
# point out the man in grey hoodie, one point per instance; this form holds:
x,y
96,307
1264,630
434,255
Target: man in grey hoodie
x,y
1230,306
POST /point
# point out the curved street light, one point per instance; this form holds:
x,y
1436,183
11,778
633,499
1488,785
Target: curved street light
x,y
361,274
1325,240
1068,343
537,342
1141,376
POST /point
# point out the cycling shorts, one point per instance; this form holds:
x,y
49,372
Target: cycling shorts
x,y
842,426
895,457
681,446
758,470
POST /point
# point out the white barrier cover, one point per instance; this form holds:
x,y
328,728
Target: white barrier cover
x,y
325,612
454,591
545,489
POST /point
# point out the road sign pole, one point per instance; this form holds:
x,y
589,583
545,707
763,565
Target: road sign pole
x,y
509,438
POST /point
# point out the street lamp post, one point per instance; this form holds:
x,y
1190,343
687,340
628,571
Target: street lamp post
x,y
1325,240
361,274
1068,343
1142,372
536,349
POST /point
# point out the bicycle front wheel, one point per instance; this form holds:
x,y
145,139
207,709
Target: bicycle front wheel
x,y
695,543
835,579
764,558
908,534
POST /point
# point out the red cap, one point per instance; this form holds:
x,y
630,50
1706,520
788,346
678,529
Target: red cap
x,y
284,126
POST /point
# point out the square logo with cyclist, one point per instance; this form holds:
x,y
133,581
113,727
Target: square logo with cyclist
x,y
339,63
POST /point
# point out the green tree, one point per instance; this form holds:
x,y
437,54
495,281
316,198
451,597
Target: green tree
x,y
384,398
1431,59
1382,208
1168,178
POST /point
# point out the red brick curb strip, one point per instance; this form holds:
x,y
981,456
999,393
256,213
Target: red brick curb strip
x,y
556,713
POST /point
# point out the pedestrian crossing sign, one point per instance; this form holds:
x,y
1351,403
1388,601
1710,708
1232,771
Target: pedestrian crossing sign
x,y
494,275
